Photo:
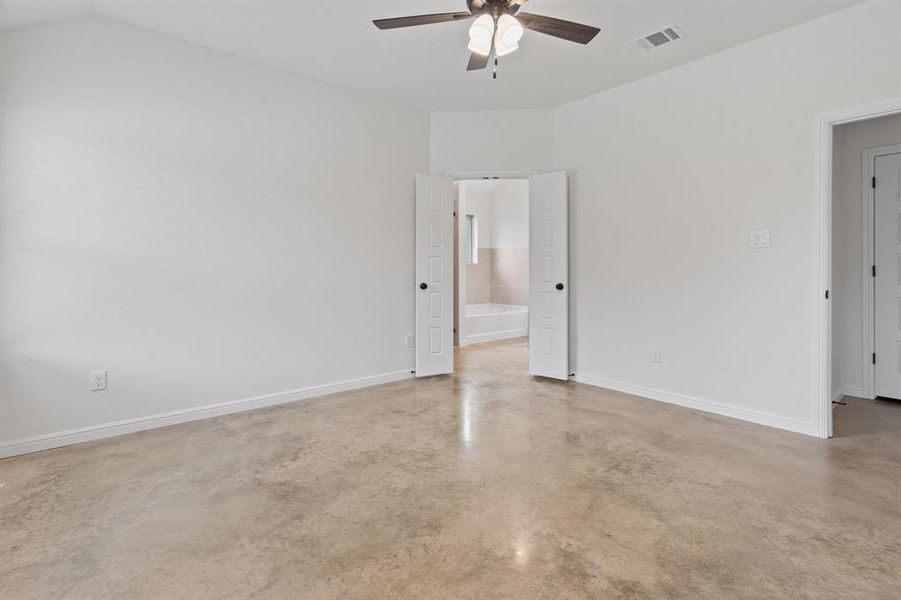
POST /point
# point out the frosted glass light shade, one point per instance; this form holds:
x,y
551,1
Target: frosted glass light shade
x,y
507,36
483,49
480,33
501,49
509,31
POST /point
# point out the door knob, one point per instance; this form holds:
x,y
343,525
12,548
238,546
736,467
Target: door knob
x,y
423,285
559,286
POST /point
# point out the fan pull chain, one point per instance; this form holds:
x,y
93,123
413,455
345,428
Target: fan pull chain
x,y
494,74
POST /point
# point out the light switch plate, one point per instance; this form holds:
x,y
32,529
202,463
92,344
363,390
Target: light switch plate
x,y
760,238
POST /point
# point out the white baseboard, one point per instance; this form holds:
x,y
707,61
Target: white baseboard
x,y
848,390
744,414
493,336
106,430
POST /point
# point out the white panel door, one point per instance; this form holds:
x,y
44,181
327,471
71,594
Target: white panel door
x,y
548,276
888,275
434,275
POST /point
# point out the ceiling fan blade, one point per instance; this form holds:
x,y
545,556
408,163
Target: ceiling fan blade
x,y
567,30
476,62
421,20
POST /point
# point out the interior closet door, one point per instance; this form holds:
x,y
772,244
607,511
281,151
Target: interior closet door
x,y
549,276
434,285
887,286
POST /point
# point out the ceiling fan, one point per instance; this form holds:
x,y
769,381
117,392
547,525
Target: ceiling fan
x,y
497,28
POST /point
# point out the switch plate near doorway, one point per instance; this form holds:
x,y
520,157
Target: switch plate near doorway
x,y
760,238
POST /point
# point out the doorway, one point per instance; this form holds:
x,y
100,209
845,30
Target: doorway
x,y
864,297
492,263
492,290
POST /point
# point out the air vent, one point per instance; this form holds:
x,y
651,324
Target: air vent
x,y
660,38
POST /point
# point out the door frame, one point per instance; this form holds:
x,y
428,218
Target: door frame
x,y
868,282
459,298
822,308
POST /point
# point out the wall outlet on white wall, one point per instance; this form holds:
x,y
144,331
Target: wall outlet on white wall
x,y
409,341
98,380
760,238
655,355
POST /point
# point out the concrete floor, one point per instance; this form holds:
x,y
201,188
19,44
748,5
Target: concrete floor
x,y
486,484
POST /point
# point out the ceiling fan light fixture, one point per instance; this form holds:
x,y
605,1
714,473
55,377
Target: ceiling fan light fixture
x,y
501,49
483,49
509,31
497,27
507,36
480,33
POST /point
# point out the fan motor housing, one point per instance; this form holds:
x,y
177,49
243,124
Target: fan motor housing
x,y
499,6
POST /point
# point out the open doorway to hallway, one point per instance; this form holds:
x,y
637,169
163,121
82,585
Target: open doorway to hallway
x,y
491,296
866,267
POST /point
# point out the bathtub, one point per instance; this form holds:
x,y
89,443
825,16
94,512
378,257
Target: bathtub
x,y
486,322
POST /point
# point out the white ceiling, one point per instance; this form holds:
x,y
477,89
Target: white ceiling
x,y
335,41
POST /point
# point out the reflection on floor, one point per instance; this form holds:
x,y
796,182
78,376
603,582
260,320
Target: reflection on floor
x,y
486,484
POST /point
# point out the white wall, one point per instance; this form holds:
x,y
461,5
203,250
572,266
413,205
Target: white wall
x,y
492,140
477,201
502,210
167,212
849,142
510,214
668,176
206,228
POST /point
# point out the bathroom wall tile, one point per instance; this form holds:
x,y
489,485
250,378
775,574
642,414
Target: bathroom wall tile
x,y
478,294
518,295
507,275
501,276
499,255
510,275
522,256
479,276
511,256
485,256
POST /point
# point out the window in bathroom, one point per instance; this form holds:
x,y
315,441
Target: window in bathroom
x,y
470,239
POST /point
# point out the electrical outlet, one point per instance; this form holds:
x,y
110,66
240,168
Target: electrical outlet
x,y
655,355
98,380
760,238
409,341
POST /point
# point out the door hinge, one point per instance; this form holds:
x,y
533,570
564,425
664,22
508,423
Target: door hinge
x,y
873,182
827,294
874,270
874,358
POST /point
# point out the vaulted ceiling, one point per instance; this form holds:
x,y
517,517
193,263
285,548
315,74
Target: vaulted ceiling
x,y
334,41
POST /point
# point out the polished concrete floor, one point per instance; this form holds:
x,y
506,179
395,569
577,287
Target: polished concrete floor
x,y
486,484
